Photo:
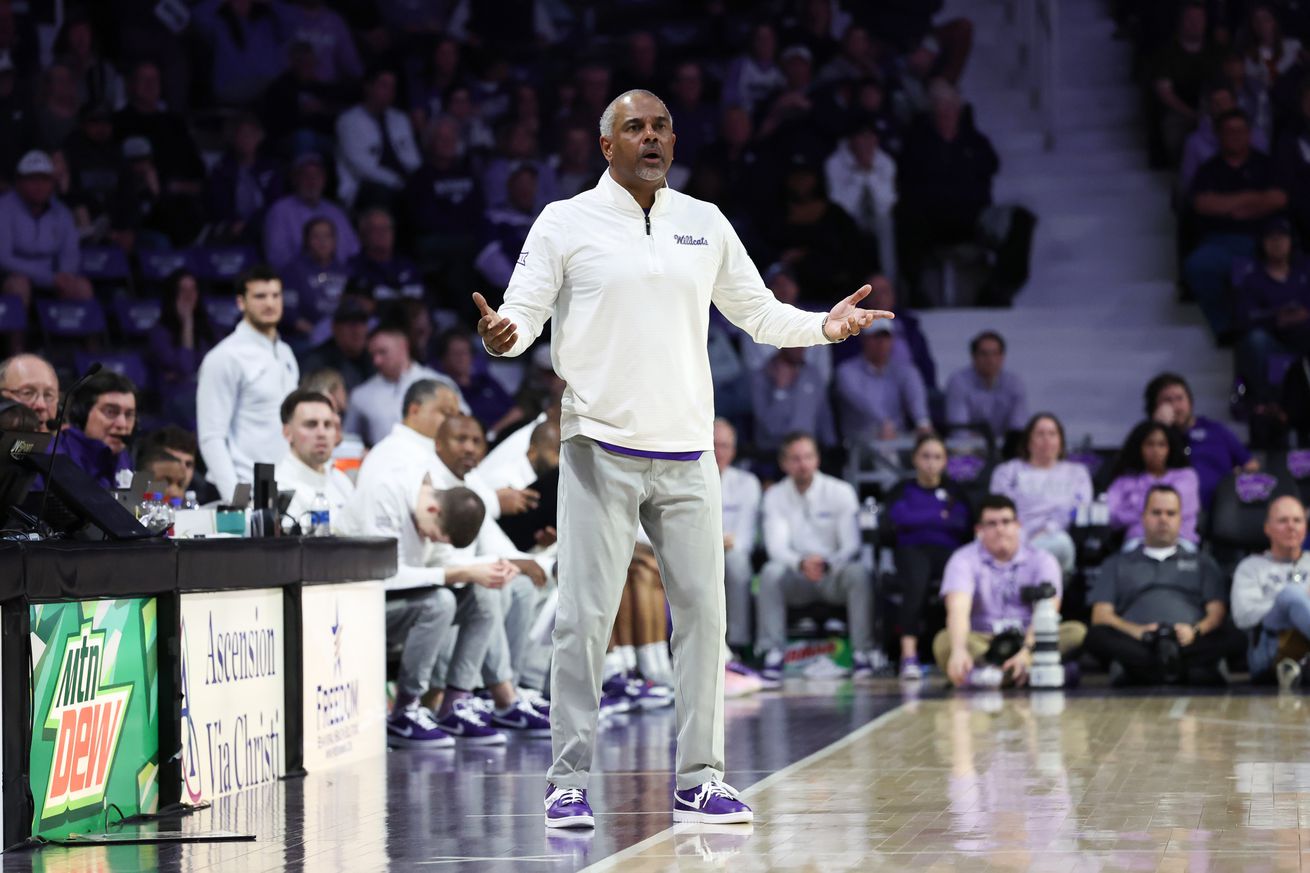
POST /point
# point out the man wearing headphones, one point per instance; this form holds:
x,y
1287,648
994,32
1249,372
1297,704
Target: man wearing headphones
x,y
101,420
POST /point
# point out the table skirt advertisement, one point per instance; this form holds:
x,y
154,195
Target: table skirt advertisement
x,y
95,714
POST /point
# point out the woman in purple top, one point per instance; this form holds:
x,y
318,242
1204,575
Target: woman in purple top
x,y
929,517
1046,489
1213,450
1152,455
178,343
312,285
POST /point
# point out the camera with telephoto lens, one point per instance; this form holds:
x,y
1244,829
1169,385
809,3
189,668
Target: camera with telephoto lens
x,y
1163,642
1047,670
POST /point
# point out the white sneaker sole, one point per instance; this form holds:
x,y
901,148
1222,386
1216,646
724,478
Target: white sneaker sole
x,y
685,816
532,734
654,702
394,742
573,821
492,740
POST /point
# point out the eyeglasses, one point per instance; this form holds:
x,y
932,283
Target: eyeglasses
x,y
113,411
28,394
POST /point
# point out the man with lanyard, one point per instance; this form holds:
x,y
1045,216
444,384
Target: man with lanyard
x,y
628,270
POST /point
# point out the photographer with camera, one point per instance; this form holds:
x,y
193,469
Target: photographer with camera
x,y
1159,612
990,586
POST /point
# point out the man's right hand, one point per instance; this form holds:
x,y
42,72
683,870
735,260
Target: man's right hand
x,y
514,501
498,334
814,568
958,667
1142,630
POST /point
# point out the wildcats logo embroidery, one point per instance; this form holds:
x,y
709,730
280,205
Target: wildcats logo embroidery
x,y
523,258
87,717
689,240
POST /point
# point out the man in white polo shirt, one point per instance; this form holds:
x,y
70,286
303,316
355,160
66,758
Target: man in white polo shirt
x,y
741,518
310,425
241,385
629,270
410,445
812,535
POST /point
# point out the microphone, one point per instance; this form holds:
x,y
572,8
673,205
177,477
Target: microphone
x,y
59,429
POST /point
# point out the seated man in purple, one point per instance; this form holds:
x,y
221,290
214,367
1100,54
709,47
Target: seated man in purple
x,y
983,588
101,418
1272,308
379,271
1213,449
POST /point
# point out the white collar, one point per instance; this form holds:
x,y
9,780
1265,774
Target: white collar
x,y
1163,554
400,430
622,197
302,470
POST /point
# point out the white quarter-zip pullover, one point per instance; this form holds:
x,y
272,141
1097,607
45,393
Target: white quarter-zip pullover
x,y
630,294
239,393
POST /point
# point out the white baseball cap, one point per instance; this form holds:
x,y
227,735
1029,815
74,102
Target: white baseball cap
x,y
36,163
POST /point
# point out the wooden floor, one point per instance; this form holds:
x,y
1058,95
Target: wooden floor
x,y
841,778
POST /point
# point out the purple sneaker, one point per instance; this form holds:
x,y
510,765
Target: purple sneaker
x,y
645,694
414,728
522,719
713,802
465,724
568,808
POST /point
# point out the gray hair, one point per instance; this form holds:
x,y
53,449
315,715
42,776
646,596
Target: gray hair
x,y
607,117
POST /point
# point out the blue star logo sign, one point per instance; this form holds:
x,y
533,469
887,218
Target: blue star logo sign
x,y
337,633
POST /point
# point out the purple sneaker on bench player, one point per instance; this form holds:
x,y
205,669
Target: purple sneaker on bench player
x,y
712,802
414,728
465,724
568,808
522,718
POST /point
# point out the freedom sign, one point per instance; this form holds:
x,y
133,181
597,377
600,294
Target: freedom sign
x,y
95,717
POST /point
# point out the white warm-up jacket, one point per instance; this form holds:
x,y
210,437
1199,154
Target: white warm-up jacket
x,y
630,295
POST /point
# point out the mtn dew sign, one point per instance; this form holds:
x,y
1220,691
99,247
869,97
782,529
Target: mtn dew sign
x,y
95,719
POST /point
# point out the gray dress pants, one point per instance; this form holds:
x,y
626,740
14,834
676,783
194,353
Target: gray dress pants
x,y
429,620
602,495
515,606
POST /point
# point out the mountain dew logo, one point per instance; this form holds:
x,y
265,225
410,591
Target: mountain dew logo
x,y
86,720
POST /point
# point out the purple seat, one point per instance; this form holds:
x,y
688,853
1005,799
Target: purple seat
x,y
129,364
71,319
105,264
13,315
222,264
136,318
223,313
156,266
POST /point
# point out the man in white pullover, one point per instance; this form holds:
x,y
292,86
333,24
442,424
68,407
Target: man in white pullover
x,y
1271,596
310,425
629,269
409,445
741,519
241,385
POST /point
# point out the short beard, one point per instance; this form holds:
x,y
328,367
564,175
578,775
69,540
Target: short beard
x,y
651,174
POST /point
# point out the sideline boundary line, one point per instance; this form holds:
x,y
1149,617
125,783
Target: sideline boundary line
x,y
612,861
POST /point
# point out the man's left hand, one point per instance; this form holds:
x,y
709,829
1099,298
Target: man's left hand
x,y
847,318
1186,634
1017,667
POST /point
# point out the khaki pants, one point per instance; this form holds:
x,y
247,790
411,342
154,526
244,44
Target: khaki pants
x,y
602,495
1072,634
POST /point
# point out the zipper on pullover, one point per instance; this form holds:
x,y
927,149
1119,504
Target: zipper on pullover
x,y
652,256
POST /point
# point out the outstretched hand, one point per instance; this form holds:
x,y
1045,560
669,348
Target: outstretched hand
x,y
498,334
847,318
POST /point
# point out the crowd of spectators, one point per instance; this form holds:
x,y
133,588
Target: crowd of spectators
x,y
1228,88
386,161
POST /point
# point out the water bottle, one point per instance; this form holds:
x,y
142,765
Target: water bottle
x,y
189,501
161,519
869,514
145,509
1100,513
320,517
174,504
